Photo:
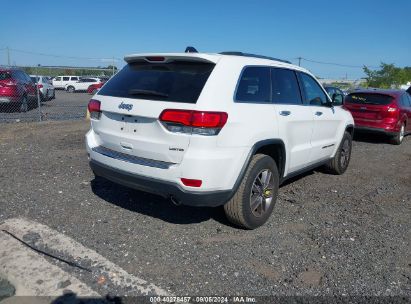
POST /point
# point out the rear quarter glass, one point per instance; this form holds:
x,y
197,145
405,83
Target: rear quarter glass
x,y
369,98
177,81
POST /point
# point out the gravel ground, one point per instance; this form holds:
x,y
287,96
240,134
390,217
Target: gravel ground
x,y
66,106
329,235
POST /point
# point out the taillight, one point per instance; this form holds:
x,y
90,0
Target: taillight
x,y
392,111
193,122
94,109
39,86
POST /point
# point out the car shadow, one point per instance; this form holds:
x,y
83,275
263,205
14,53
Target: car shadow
x,y
153,205
371,138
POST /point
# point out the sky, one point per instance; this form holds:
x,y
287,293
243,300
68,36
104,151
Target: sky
x,y
92,33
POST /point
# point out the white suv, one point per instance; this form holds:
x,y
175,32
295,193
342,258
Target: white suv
x,y
82,85
60,82
215,129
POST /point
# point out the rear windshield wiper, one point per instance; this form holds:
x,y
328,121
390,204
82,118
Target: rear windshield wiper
x,y
146,92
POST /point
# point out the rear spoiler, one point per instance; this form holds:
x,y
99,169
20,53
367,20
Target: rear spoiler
x,y
169,57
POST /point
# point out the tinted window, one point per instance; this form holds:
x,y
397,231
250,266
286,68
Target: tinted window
x,y
66,78
4,75
313,93
254,85
409,99
369,98
285,87
177,81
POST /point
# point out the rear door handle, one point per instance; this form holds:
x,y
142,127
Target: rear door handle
x,y
285,113
318,113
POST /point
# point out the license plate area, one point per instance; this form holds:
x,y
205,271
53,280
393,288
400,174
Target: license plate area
x,y
128,124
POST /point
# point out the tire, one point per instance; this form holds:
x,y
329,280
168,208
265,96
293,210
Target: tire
x,y
42,97
239,210
71,89
24,104
398,138
54,94
339,163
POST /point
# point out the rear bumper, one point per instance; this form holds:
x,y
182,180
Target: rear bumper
x,y
9,99
162,188
389,132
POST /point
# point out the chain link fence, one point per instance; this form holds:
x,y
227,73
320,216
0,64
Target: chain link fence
x,y
40,93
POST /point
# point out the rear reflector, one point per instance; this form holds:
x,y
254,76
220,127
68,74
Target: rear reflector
x,y
94,109
196,122
192,182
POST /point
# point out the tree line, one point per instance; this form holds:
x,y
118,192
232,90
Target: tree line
x,y
387,76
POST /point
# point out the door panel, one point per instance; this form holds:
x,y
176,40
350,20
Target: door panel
x,y
324,139
295,126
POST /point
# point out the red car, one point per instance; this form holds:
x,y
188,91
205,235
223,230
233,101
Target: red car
x,y
384,111
17,90
93,89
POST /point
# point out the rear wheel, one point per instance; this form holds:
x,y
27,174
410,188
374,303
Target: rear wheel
x,y
397,139
24,105
339,163
255,198
70,89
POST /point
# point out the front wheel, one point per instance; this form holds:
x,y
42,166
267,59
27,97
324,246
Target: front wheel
x,y
339,163
70,89
255,198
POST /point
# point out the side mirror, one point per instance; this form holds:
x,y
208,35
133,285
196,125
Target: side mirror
x,y
337,99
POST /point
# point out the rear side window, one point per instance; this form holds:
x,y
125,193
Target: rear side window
x,y
409,99
254,85
177,81
74,78
285,87
369,98
66,78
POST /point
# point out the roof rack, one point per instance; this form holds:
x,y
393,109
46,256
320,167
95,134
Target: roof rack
x,y
254,55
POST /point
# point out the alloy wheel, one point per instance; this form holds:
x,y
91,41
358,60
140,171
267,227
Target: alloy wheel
x,y
261,196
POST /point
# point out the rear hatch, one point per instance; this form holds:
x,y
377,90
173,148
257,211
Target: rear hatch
x,y
132,101
368,106
7,84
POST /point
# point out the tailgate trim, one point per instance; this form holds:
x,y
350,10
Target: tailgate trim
x,y
132,159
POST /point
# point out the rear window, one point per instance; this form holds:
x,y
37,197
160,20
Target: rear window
x,y
4,75
177,81
367,98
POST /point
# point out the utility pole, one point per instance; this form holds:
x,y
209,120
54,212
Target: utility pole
x,y
299,60
8,56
